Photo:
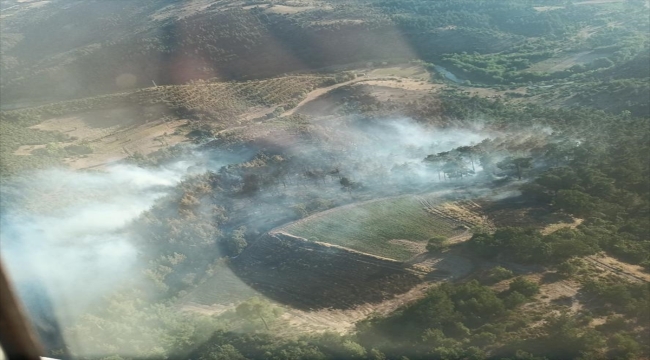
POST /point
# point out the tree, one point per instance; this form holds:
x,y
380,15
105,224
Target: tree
x,y
349,185
436,244
455,168
499,273
222,352
524,287
237,242
514,299
251,184
346,183
468,152
257,308
567,269
516,165
575,202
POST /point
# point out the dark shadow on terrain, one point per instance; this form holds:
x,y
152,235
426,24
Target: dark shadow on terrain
x,y
310,276
550,278
521,212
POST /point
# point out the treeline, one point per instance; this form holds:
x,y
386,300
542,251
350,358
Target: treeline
x,y
604,180
452,321
238,43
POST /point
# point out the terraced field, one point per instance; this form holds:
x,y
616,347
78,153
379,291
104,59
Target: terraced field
x,y
396,228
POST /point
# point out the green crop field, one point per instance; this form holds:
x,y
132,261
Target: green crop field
x,y
371,226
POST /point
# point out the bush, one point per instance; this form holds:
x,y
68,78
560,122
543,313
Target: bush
x,y
78,149
514,299
499,273
524,287
436,244
237,242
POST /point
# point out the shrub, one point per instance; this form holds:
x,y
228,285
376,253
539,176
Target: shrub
x,y
523,286
436,244
499,273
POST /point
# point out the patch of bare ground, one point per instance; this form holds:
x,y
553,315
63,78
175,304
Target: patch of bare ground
x,y
587,31
338,21
562,292
467,212
547,8
184,9
403,82
608,264
551,228
553,293
25,150
284,9
143,139
343,321
409,71
115,134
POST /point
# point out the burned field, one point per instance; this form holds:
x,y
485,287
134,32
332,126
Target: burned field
x,y
311,276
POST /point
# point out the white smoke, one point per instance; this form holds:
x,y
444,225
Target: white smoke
x,y
64,229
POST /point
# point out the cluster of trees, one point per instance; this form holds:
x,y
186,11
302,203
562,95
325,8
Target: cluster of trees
x,y
528,246
607,186
16,132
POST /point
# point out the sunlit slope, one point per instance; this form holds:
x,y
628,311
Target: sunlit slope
x,y
396,228
111,127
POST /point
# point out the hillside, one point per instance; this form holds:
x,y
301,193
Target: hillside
x,y
326,179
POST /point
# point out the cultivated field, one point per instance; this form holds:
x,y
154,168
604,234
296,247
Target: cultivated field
x,y
396,228
143,121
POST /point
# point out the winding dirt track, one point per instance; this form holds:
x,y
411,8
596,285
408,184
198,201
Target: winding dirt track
x,y
318,92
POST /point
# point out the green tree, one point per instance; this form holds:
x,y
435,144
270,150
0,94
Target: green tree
x,y
222,352
436,244
499,273
256,308
524,286
237,242
516,166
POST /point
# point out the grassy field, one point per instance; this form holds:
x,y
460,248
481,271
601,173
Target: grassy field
x,y
374,227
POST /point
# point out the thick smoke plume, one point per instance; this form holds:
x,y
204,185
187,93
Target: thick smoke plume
x,y
64,229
